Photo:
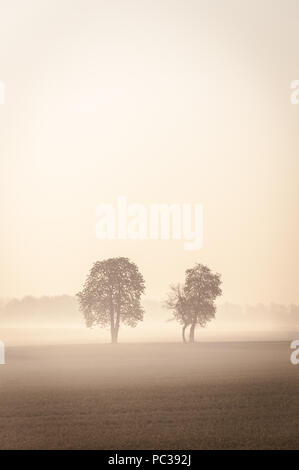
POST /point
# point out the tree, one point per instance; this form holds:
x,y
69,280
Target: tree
x,y
194,303
111,295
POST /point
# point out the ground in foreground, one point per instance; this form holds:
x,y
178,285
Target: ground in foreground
x,y
150,396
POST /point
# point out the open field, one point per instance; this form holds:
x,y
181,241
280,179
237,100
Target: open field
x,y
150,396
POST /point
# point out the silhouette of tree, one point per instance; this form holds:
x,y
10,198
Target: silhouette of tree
x,y
111,295
193,303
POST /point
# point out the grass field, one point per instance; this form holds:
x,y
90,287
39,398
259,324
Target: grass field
x,y
150,396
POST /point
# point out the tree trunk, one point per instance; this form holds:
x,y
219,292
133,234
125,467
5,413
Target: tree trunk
x,y
112,328
192,331
112,333
114,336
116,327
183,333
112,325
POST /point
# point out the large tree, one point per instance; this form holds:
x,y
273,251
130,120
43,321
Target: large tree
x,y
111,295
193,303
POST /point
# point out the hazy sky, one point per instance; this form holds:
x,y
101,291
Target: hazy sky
x,y
160,101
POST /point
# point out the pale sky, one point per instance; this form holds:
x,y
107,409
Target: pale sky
x,y
161,101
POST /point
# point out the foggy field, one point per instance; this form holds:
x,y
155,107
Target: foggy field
x,y
150,396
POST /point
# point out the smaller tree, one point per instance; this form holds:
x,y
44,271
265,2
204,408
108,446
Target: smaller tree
x,y
111,295
194,303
